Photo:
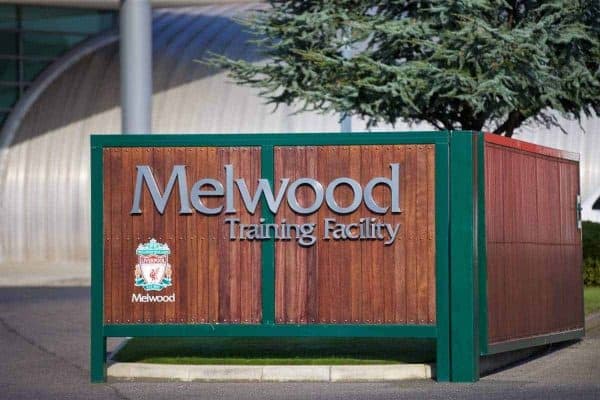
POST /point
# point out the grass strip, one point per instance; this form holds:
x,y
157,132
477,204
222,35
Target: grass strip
x,y
276,351
591,299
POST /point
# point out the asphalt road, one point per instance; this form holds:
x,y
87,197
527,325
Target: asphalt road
x,y
44,355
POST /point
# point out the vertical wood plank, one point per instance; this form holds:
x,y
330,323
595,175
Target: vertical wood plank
x,y
147,230
255,260
354,262
411,227
128,258
165,312
366,253
377,289
301,283
312,304
118,275
224,257
421,229
400,248
233,251
213,160
431,207
181,309
108,285
139,158
281,157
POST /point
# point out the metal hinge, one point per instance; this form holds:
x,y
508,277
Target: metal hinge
x,y
578,210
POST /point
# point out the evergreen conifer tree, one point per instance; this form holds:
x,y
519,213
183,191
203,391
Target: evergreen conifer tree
x,y
457,64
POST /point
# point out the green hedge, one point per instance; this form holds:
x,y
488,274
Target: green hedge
x,y
591,240
591,253
591,271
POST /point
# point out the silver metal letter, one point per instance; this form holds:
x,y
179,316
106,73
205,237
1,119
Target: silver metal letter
x,y
232,222
263,187
393,184
160,201
229,208
330,198
293,200
196,193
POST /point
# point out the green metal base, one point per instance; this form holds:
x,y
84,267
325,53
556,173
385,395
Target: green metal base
x,y
510,345
266,330
98,359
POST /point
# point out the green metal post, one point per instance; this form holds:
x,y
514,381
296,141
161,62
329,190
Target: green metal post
x,y
98,340
442,363
482,248
268,246
464,299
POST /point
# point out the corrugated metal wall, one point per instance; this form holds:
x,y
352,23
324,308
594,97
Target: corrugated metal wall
x,y
44,173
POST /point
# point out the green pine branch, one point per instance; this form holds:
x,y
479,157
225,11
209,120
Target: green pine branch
x,y
458,64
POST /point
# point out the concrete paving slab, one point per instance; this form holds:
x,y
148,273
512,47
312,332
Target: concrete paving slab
x,y
270,373
225,373
150,371
296,373
367,373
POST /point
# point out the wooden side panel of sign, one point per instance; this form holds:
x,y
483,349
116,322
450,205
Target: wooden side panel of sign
x,y
533,244
359,281
214,279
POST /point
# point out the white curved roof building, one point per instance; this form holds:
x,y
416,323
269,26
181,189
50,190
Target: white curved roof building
x,y
44,159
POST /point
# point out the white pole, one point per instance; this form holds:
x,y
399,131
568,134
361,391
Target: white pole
x,y
136,66
346,122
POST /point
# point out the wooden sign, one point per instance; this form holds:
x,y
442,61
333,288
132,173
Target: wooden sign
x,y
466,239
353,227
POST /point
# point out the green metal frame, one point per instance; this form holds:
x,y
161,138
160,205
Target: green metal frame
x,y
98,338
533,341
482,248
272,330
456,249
442,277
268,246
464,236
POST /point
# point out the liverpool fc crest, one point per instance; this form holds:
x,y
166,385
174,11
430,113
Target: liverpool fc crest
x,y
153,271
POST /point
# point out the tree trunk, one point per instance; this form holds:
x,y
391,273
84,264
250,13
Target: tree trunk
x,y
514,120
